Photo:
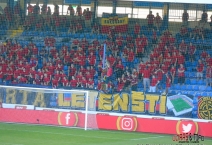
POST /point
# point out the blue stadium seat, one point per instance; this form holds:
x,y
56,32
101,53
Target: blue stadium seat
x,y
65,68
193,82
197,94
187,81
200,82
177,87
182,87
53,104
204,94
194,63
187,74
210,94
140,85
202,88
188,87
136,61
191,92
192,74
208,89
195,88
189,69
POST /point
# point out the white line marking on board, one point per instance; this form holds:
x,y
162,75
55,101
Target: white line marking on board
x,y
147,138
70,134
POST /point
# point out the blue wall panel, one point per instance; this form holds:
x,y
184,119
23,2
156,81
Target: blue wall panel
x,y
209,6
147,4
77,2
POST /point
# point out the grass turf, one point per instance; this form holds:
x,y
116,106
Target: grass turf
x,y
22,134
180,104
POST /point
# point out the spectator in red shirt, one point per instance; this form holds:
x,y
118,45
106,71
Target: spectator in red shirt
x,y
36,9
183,47
146,78
79,11
184,32
8,75
195,33
65,82
54,83
72,71
168,83
211,22
49,12
203,55
150,18
73,82
35,51
22,79
71,11
56,9
79,28
181,74
30,8
134,82
209,75
137,29
119,69
44,9
158,21
140,49
185,18
90,83
88,16
111,60
191,51
120,85
1,75
208,60
154,83
95,28
173,73
180,59
200,69
204,17
92,59
72,28
131,57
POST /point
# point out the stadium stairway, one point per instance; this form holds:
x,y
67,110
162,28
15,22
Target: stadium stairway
x,y
14,33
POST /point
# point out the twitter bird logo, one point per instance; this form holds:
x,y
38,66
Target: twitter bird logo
x,y
187,128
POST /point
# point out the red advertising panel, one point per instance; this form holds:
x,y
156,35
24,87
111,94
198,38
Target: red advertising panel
x,y
106,121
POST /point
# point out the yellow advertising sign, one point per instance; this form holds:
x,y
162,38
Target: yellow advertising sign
x,y
114,21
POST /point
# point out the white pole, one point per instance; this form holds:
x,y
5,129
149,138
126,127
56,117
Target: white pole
x,y
86,111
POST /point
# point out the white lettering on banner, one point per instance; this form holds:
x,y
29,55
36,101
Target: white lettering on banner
x,y
20,107
67,118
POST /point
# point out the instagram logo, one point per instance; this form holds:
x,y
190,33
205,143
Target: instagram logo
x,y
126,123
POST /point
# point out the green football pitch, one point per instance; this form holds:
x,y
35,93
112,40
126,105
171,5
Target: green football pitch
x,y
22,134
180,104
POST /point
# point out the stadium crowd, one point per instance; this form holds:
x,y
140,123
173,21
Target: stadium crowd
x,y
80,65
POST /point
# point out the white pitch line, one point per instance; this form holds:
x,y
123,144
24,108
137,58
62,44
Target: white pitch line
x,y
147,138
68,134
10,144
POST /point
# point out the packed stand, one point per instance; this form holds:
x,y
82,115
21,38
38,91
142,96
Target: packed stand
x,y
81,63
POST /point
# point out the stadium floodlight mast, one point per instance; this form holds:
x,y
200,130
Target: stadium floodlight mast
x,y
52,91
